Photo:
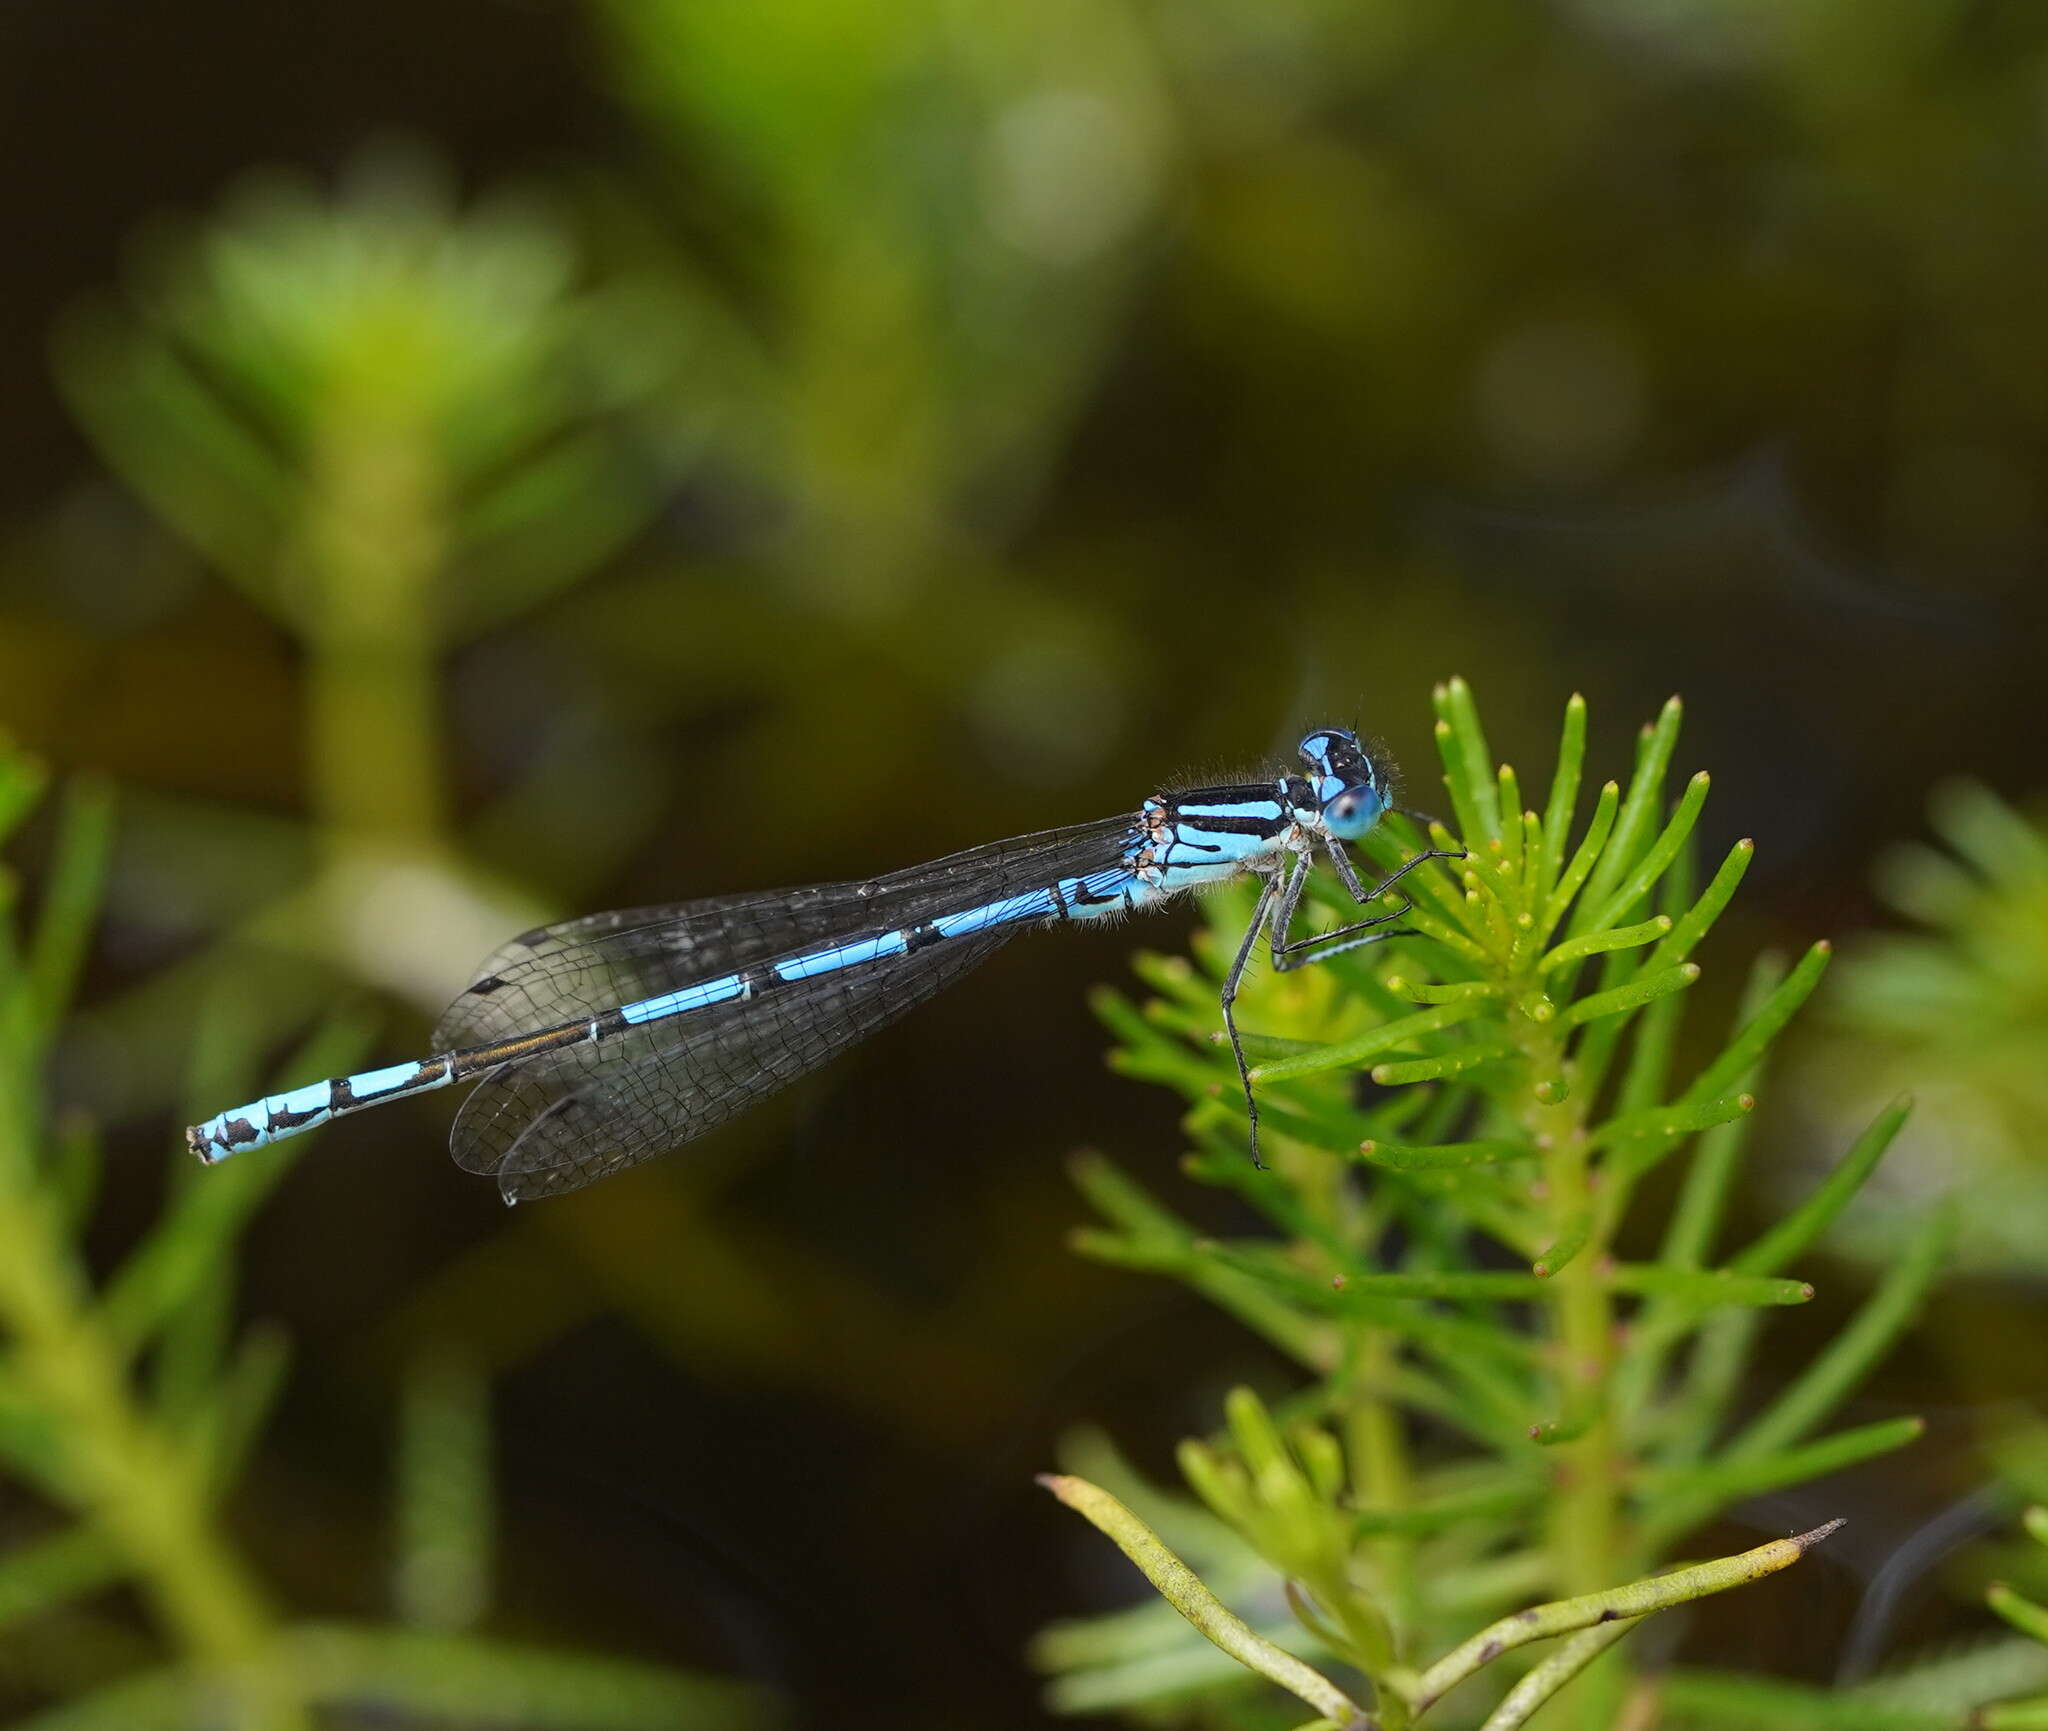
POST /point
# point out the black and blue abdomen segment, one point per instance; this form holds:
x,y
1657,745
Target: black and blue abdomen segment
x,y
275,1115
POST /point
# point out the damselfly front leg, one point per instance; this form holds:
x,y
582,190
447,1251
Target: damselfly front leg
x,y
1291,953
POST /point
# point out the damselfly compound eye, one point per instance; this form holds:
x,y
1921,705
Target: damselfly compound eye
x,y
1352,813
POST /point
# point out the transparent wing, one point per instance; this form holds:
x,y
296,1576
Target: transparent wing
x,y
578,968
563,1121
585,966
559,1121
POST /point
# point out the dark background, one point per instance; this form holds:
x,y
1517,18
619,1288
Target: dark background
x,y
1593,346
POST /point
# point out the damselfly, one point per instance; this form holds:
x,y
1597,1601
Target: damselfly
x,y
606,1040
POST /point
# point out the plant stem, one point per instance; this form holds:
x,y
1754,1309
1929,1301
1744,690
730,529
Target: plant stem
x,y
1585,1513
373,545
124,1472
1380,1473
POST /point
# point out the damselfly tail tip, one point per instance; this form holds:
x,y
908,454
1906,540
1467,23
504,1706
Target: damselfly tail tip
x,y
202,1150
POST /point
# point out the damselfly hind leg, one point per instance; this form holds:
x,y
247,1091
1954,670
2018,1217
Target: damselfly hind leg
x,y
1268,885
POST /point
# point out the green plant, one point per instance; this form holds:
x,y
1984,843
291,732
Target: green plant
x,y
951,205
1500,1403
131,1407
394,424
922,233
1960,1002
2031,1619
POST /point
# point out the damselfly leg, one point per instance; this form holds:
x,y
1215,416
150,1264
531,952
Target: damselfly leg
x,y
1273,915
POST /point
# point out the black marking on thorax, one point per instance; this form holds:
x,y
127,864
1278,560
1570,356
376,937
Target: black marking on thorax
x,y
1251,821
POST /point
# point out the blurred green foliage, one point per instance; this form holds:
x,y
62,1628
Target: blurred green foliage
x,y
2031,1620
1960,1003
382,416
130,1405
390,423
947,202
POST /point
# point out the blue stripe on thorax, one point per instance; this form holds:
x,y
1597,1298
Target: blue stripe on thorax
x,y
1213,833
1265,808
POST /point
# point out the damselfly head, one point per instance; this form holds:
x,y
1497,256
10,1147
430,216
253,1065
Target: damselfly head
x,y
1347,782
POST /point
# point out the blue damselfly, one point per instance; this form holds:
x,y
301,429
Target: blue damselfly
x,y
606,1040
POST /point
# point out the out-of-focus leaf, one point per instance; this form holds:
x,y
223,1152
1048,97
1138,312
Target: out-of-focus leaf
x,y
443,1576
442,1676
235,1413
22,780
38,1575
1731,1701
71,901
165,1700
191,1243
